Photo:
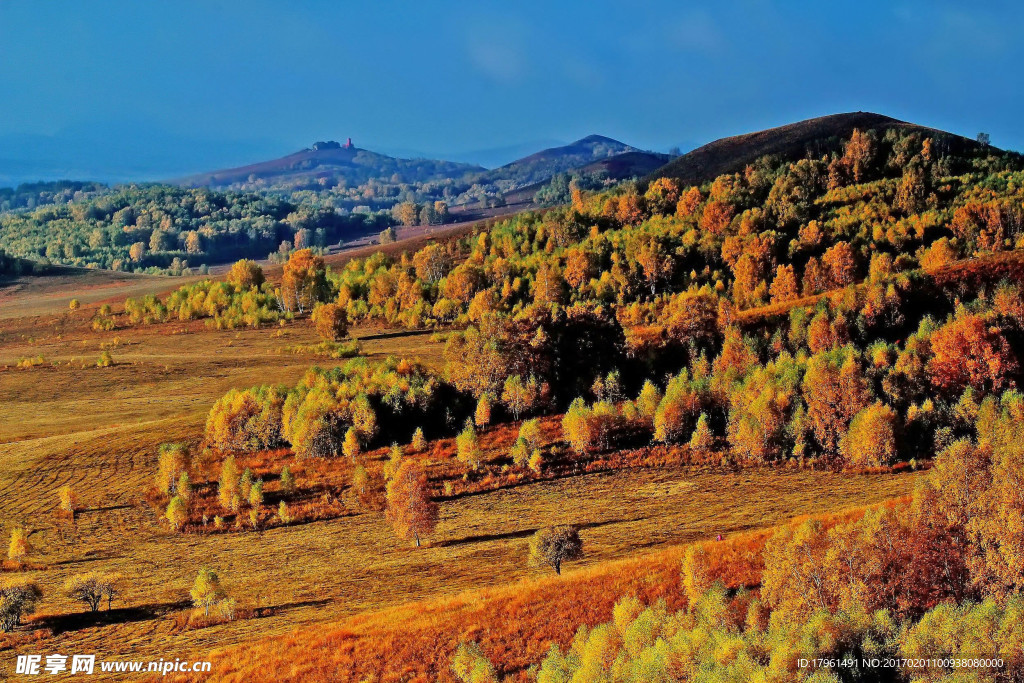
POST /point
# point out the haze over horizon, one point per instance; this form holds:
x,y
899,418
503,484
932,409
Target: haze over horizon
x,y
119,91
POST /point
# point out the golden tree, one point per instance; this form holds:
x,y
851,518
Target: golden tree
x,y
304,282
68,499
172,460
467,447
20,547
419,442
331,321
227,487
410,510
206,590
177,513
871,440
784,287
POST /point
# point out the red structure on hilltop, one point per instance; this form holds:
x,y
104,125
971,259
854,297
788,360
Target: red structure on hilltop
x,y
348,144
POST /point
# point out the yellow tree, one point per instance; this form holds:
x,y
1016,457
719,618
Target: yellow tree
x,y
835,390
871,440
245,275
206,590
304,282
467,446
410,510
331,321
784,287
20,547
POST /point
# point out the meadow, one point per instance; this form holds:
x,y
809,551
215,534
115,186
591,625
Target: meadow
x,y
67,421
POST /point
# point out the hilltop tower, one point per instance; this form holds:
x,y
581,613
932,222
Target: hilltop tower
x,y
348,144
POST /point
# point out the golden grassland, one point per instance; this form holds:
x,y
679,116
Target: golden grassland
x,y
515,625
68,421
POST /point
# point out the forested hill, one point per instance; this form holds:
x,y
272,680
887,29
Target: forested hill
x,y
812,138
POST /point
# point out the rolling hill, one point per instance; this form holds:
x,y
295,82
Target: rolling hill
x,y
812,137
331,161
543,164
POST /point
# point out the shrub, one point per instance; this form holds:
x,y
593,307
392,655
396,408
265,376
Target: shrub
x,y
471,666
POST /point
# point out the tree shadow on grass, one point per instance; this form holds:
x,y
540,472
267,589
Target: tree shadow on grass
x,y
61,623
522,533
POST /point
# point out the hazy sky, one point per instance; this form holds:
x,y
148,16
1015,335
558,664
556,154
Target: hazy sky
x,y
166,87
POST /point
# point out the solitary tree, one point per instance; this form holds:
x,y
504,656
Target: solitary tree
x,y
360,478
554,545
245,274
331,321
17,600
68,499
256,494
283,514
20,547
206,590
410,509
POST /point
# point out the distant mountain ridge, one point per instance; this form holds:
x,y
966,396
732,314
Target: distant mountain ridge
x,y
331,161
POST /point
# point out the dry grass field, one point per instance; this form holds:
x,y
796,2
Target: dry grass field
x,y
68,421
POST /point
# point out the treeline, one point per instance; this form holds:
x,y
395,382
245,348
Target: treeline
x,y
169,229
32,195
12,267
935,581
770,234
333,412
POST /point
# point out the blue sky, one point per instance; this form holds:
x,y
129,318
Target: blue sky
x,y
116,89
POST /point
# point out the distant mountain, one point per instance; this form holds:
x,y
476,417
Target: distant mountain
x,y
331,161
812,137
627,164
542,165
